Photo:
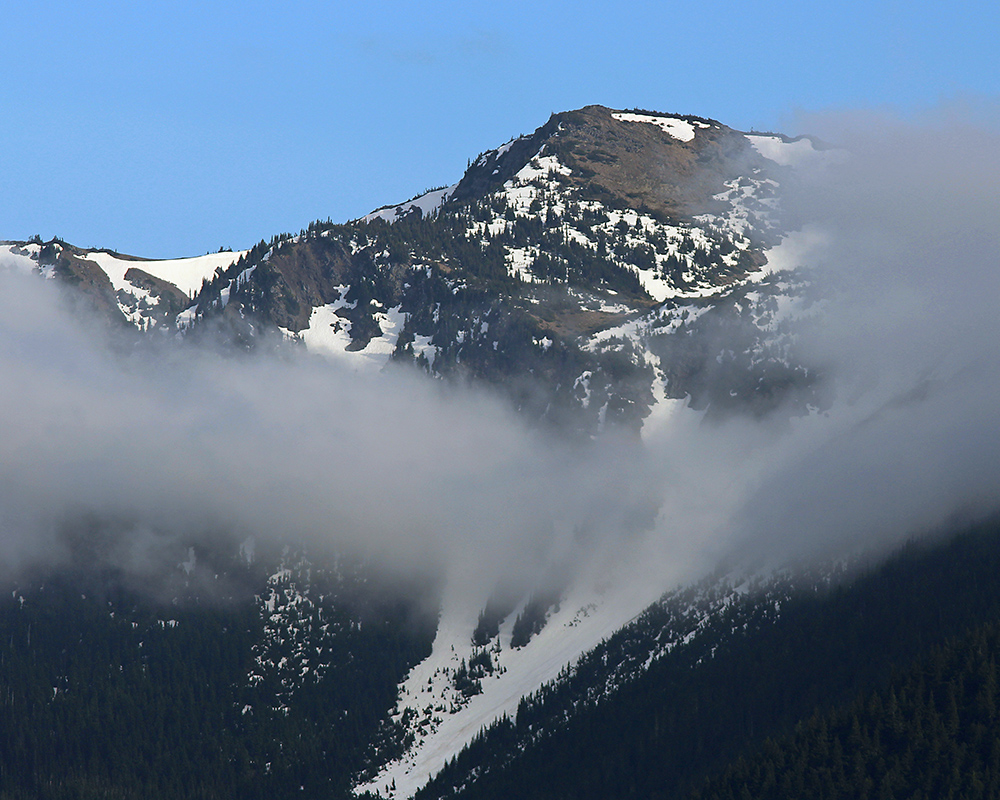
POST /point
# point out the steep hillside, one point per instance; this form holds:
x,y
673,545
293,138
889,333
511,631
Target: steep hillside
x,y
122,289
609,268
931,732
758,666
587,271
247,674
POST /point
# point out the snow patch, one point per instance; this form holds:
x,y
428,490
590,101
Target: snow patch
x,y
186,274
428,204
329,335
576,627
22,259
782,151
539,167
795,250
678,128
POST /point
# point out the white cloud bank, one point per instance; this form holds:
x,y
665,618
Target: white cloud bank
x,y
186,442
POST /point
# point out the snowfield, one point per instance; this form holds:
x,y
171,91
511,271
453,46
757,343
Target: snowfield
x,y
19,259
599,605
427,204
328,335
184,273
678,128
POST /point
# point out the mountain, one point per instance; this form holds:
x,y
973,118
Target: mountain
x,y
611,276
254,675
560,270
795,660
123,289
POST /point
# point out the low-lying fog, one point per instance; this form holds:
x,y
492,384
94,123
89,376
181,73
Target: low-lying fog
x,y
178,442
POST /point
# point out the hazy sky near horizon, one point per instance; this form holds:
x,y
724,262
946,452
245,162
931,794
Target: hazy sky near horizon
x,y
172,129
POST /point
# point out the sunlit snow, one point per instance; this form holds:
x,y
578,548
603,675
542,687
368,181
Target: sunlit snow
x,y
328,334
782,151
20,258
184,273
427,204
678,128
587,615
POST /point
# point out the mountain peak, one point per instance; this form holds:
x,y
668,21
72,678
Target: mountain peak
x,y
668,164
562,258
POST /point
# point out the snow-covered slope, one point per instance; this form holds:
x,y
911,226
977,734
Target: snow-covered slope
x,y
784,151
186,274
22,257
443,719
328,335
677,127
148,293
432,705
427,204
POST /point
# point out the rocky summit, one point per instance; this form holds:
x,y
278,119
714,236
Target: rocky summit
x,y
588,271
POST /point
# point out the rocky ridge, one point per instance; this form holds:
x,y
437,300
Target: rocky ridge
x,y
588,271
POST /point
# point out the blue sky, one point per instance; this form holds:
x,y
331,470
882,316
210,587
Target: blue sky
x,y
165,129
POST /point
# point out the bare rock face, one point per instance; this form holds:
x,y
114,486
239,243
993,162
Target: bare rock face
x,y
94,289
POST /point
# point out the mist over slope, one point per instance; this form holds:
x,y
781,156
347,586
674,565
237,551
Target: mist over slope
x,y
908,333
433,465
899,233
192,440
